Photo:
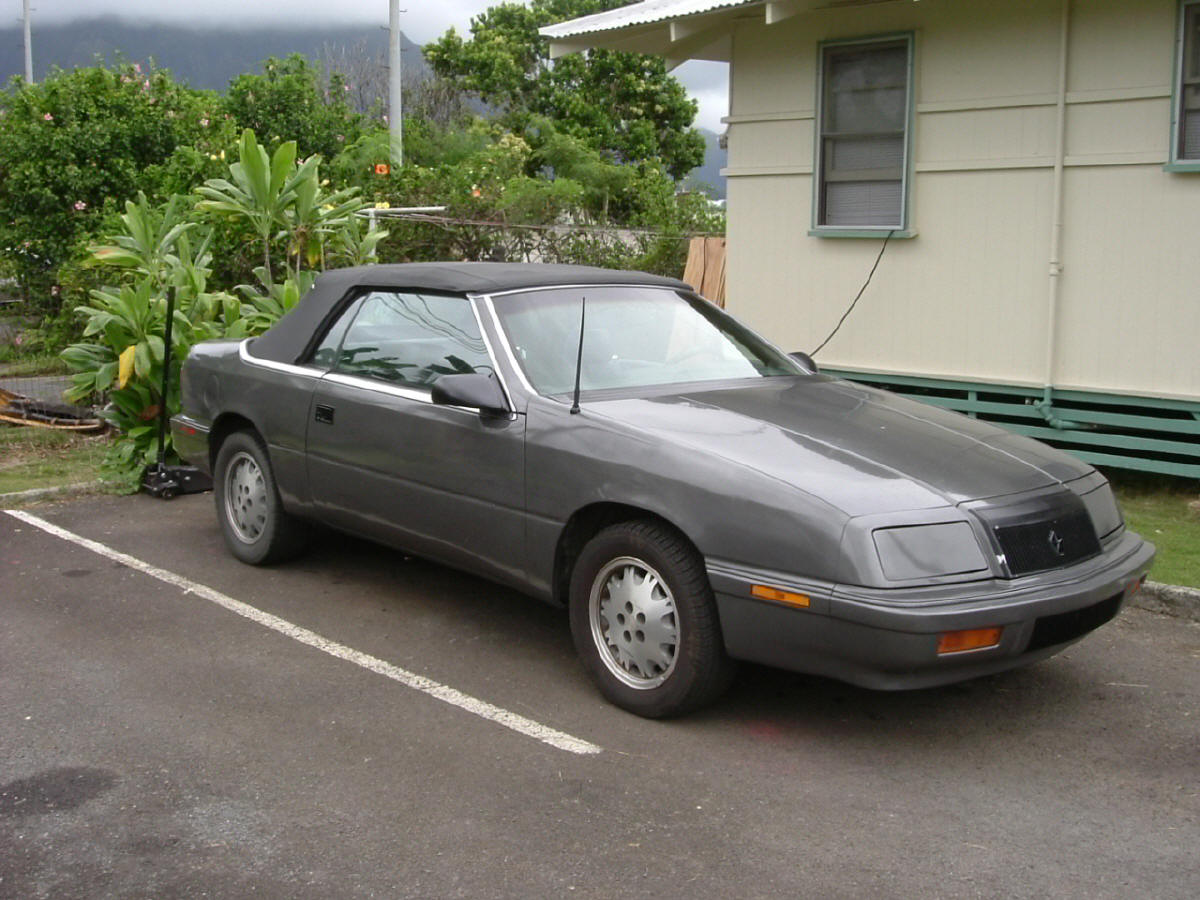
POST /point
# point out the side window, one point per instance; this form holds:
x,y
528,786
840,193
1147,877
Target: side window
x,y
1187,138
862,146
326,352
412,339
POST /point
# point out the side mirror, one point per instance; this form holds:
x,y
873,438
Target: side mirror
x,y
474,391
805,360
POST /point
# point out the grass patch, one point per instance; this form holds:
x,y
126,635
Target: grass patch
x,y
1166,512
41,458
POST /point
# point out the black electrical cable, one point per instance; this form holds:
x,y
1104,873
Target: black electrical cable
x,y
861,291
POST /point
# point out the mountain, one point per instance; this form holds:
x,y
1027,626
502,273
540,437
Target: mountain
x,y
709,174
201,57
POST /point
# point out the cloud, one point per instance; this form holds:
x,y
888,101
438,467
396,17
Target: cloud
x,y
422,20
708,84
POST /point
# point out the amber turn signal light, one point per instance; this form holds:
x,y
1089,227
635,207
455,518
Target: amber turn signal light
x,y
762,592
971,639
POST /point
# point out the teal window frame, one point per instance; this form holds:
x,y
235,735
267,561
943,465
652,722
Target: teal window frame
x,y
902,229
1176,162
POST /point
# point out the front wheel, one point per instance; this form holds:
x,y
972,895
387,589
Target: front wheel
x,y
254,524
645,623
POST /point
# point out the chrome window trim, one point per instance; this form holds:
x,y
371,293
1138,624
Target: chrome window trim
x,y
379,387
392,390
475,300
245,356
560,287
485,300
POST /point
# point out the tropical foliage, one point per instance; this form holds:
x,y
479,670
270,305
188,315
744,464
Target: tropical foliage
x,y
168,248
622,104
277,196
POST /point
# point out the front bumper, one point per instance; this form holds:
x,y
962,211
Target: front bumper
x,y
887,639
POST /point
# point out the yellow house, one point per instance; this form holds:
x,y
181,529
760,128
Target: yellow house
x,y
1030,172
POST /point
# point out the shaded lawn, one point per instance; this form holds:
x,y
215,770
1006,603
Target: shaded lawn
x,y
41,457
1165,511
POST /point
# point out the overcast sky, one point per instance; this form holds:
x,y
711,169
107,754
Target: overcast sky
x,y
422,21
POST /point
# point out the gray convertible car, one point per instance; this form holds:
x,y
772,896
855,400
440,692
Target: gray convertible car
x,y
610,442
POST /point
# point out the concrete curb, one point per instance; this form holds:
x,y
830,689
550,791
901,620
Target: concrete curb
x,y
1170,599
45,493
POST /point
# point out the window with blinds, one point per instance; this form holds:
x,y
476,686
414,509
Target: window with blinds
x,y
863,140
1188,147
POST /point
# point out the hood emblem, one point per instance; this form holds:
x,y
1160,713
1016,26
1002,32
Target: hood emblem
x,y
1056,542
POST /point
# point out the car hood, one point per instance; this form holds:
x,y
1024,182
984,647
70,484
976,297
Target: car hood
x,y
859,449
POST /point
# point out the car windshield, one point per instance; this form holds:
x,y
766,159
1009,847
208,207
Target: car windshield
x,y
633,337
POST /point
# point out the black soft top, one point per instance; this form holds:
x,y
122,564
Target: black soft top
x,y
288,338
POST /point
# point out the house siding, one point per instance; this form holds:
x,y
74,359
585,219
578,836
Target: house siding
x,y
969,296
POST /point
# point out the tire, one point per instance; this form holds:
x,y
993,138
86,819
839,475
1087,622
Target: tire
x,y
253,522
645,622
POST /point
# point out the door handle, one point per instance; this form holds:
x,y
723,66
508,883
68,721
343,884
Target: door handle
x,y
324,414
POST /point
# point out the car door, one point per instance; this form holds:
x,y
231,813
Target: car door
x,y
386,462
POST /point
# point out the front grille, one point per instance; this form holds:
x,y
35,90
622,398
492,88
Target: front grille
x,y
1048,544
1058,629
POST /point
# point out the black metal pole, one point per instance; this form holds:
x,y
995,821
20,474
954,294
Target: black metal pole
x,y
166,379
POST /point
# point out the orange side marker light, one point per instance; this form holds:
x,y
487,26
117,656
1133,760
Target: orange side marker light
x,y
970,639
762,592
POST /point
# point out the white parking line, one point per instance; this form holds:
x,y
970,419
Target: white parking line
x,y
442,692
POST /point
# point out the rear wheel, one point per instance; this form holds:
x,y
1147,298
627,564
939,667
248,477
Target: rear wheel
x,y
645,622
254,524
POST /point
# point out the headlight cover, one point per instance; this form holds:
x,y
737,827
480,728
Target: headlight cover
x,y
928,551
1102,507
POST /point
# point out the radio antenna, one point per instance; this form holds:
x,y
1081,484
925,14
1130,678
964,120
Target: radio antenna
x,y
579,358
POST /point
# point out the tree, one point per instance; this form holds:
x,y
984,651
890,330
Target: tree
x,y
80,140
624,104
290,102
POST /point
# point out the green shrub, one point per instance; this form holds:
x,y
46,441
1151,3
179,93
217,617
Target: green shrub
x,y
168,246
79,143
289,102
122,352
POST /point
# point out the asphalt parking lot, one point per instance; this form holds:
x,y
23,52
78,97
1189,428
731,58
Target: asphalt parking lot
x,y
156,743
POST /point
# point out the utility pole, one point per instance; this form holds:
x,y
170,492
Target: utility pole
x,y
28,48
395,104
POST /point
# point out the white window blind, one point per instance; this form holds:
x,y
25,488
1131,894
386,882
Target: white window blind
x,y
1189,86
864,123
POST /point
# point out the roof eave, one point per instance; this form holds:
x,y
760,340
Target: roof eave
x,y
705,36
717,47
697,35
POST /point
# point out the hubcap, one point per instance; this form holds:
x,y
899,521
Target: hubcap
x,y
245,498
634,626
